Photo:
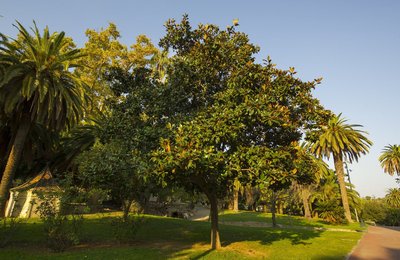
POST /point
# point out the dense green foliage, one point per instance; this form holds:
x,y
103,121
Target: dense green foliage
x,y
380,212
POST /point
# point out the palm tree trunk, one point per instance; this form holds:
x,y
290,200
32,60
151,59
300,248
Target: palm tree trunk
x,y
215,240
12,163
306,204
338,160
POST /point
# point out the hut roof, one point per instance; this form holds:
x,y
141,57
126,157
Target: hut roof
x,y
43,179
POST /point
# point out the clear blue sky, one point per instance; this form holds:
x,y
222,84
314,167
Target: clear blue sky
x,y
353,44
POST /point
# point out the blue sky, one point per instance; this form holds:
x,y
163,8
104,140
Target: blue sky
x,y
354,45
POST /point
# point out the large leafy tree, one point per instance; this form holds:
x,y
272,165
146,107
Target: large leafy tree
x,y
104,52
238,119
37,86
390,159
344,142
126,118
126,137
107,66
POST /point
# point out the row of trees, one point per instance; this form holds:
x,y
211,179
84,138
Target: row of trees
x,y
199,113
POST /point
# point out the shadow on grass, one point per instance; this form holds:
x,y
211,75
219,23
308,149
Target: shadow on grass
x,y
394,228
267,236
283,220
266,218
168,237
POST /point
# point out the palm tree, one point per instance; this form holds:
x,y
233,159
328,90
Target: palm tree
x,y
393,197
390,159
343,142
37,85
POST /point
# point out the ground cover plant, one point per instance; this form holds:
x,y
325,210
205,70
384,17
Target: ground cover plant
x,y
161,238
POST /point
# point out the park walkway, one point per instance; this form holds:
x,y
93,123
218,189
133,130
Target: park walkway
x,y
379,243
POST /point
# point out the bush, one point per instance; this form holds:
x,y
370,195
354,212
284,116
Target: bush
x,y
392,217
125,229
8,227
331,211
78,200
61,232
374,210
380,212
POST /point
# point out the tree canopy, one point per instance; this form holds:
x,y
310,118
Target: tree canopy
x,y
240,118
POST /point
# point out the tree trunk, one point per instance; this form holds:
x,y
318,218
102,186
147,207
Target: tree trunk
x,y
249,197
236,200
215,241
306,204
230,202
126,206
273,208
279,206
12,163
338,160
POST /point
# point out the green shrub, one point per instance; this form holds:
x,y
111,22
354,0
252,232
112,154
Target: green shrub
x,y
330,211
392,217
380,212
374,210
61,232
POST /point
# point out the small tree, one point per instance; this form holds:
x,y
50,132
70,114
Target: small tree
x,y
116,170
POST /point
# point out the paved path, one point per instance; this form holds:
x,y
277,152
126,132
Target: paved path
x,y
379,243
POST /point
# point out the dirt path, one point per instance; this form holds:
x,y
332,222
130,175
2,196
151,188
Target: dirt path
x,y
378,243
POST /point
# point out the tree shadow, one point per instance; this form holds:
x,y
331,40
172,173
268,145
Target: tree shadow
x,y
178,238
394,253
267,236
262,217
202,255
391,228
390,253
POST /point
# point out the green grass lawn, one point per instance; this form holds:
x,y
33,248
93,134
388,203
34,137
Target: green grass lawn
x,y
168,238
284,220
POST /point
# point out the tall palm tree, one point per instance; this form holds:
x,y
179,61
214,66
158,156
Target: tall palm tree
x,y
343,142
37,85
390,159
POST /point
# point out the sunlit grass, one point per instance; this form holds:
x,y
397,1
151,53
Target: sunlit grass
x,y
284,220
168,238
